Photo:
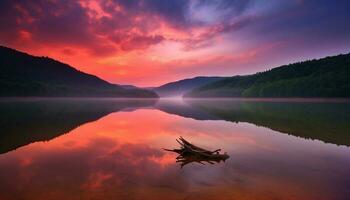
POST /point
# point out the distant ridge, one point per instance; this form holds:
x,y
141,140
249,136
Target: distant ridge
x,y
178,88
22,74
326,77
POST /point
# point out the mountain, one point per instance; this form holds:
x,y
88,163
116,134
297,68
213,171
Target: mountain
x,y
178,88
129,86
26,75
326,77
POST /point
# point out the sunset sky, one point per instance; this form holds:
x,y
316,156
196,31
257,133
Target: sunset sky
x,y
151,42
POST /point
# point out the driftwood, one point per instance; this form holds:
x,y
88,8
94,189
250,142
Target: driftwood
x,y
189,153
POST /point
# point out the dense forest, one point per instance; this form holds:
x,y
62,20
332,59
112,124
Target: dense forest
x,y
324,121
26,75
326,77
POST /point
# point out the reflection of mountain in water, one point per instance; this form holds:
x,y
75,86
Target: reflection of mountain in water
x,y
329,122
178,107
26,121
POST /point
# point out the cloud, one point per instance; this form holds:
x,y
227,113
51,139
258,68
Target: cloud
x,y
206,37
87,33
108,26
77,171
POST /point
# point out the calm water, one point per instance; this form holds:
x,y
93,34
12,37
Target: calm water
x,y
112,149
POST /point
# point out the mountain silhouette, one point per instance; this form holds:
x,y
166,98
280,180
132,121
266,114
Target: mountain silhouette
x,y
26,75
326,77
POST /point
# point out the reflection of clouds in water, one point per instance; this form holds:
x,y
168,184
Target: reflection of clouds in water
x,y
99,161
103,165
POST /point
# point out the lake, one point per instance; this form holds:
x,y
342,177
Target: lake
x,y
113,149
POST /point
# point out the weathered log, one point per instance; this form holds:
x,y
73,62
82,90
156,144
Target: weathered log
x,y
188,153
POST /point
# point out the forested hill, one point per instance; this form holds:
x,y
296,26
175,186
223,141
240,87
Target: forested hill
x,y
326,77
24,75
180,87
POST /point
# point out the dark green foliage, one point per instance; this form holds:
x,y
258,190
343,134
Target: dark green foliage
x,y
327,77
326,121
26,75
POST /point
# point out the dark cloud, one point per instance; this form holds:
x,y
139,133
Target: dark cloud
x,y
127,24
306,23
205,39
51,23
173,11
237,7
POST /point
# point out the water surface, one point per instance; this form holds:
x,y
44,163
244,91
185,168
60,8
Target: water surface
x,y
112,149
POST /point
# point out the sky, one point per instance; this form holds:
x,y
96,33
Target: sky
x,y
152,42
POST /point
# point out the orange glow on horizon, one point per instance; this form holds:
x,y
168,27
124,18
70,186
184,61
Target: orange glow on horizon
x,y
149,43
